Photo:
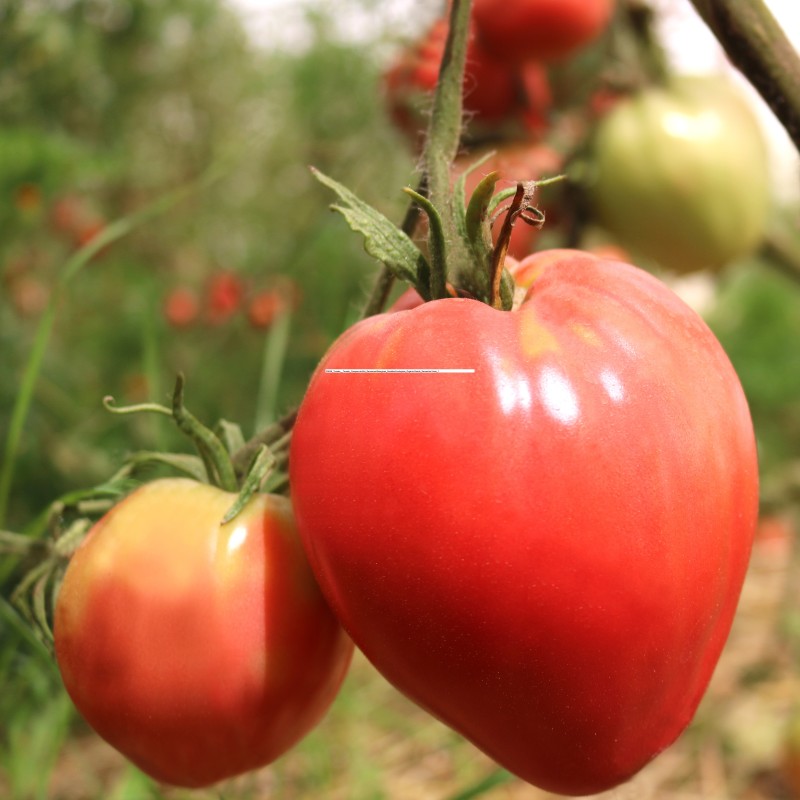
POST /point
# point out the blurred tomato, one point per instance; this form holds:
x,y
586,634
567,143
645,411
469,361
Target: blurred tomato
x,y
224,296
264,307
67,214
29,295
181,307
522,30
200,650
681,175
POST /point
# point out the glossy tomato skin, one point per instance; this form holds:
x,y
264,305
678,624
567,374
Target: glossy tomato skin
x,y
546,553
681,175
550,30
199,651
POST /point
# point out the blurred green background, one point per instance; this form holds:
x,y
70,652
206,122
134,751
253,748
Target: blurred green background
x,y
106,106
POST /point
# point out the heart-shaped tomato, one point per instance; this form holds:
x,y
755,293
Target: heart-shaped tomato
x,y
535,523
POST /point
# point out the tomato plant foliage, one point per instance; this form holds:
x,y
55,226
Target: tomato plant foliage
x,y
196,649
545,552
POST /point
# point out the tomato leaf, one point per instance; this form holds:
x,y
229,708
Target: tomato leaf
x,y
383,240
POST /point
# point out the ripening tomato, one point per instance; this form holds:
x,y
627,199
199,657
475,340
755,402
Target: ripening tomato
x,y
198,650
539,30
681,175
545,549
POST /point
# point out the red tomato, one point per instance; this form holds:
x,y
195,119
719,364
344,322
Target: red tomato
x,y
545,553
224,296
263,308
199,651
181,307
524,30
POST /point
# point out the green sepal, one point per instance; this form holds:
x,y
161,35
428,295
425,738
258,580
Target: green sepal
x,y
191,466
216,459
478,233
383,240
437,247
460,198
262,465
507,288
230,434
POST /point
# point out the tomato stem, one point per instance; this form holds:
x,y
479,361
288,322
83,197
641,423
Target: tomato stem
x,y
444,132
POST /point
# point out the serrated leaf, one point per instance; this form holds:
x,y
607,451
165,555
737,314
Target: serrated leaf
x,y
383,240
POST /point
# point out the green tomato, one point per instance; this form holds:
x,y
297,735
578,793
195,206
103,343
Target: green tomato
x,y
680,175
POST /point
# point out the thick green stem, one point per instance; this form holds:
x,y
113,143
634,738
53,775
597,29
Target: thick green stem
x,y
759,48
444,132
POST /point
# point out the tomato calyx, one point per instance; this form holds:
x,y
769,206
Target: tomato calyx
x,y
223,459
214,463
469,265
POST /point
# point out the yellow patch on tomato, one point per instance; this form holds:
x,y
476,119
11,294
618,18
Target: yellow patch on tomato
x,y
586,334
534,337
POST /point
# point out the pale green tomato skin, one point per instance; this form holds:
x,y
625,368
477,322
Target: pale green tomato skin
x,y
680,175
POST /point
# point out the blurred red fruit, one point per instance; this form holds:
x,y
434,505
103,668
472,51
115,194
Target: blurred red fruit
x,y
539,30
67,214
224,296
181,307
29,295
264,307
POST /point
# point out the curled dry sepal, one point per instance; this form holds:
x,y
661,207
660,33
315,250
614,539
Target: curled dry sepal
x,y
223,459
